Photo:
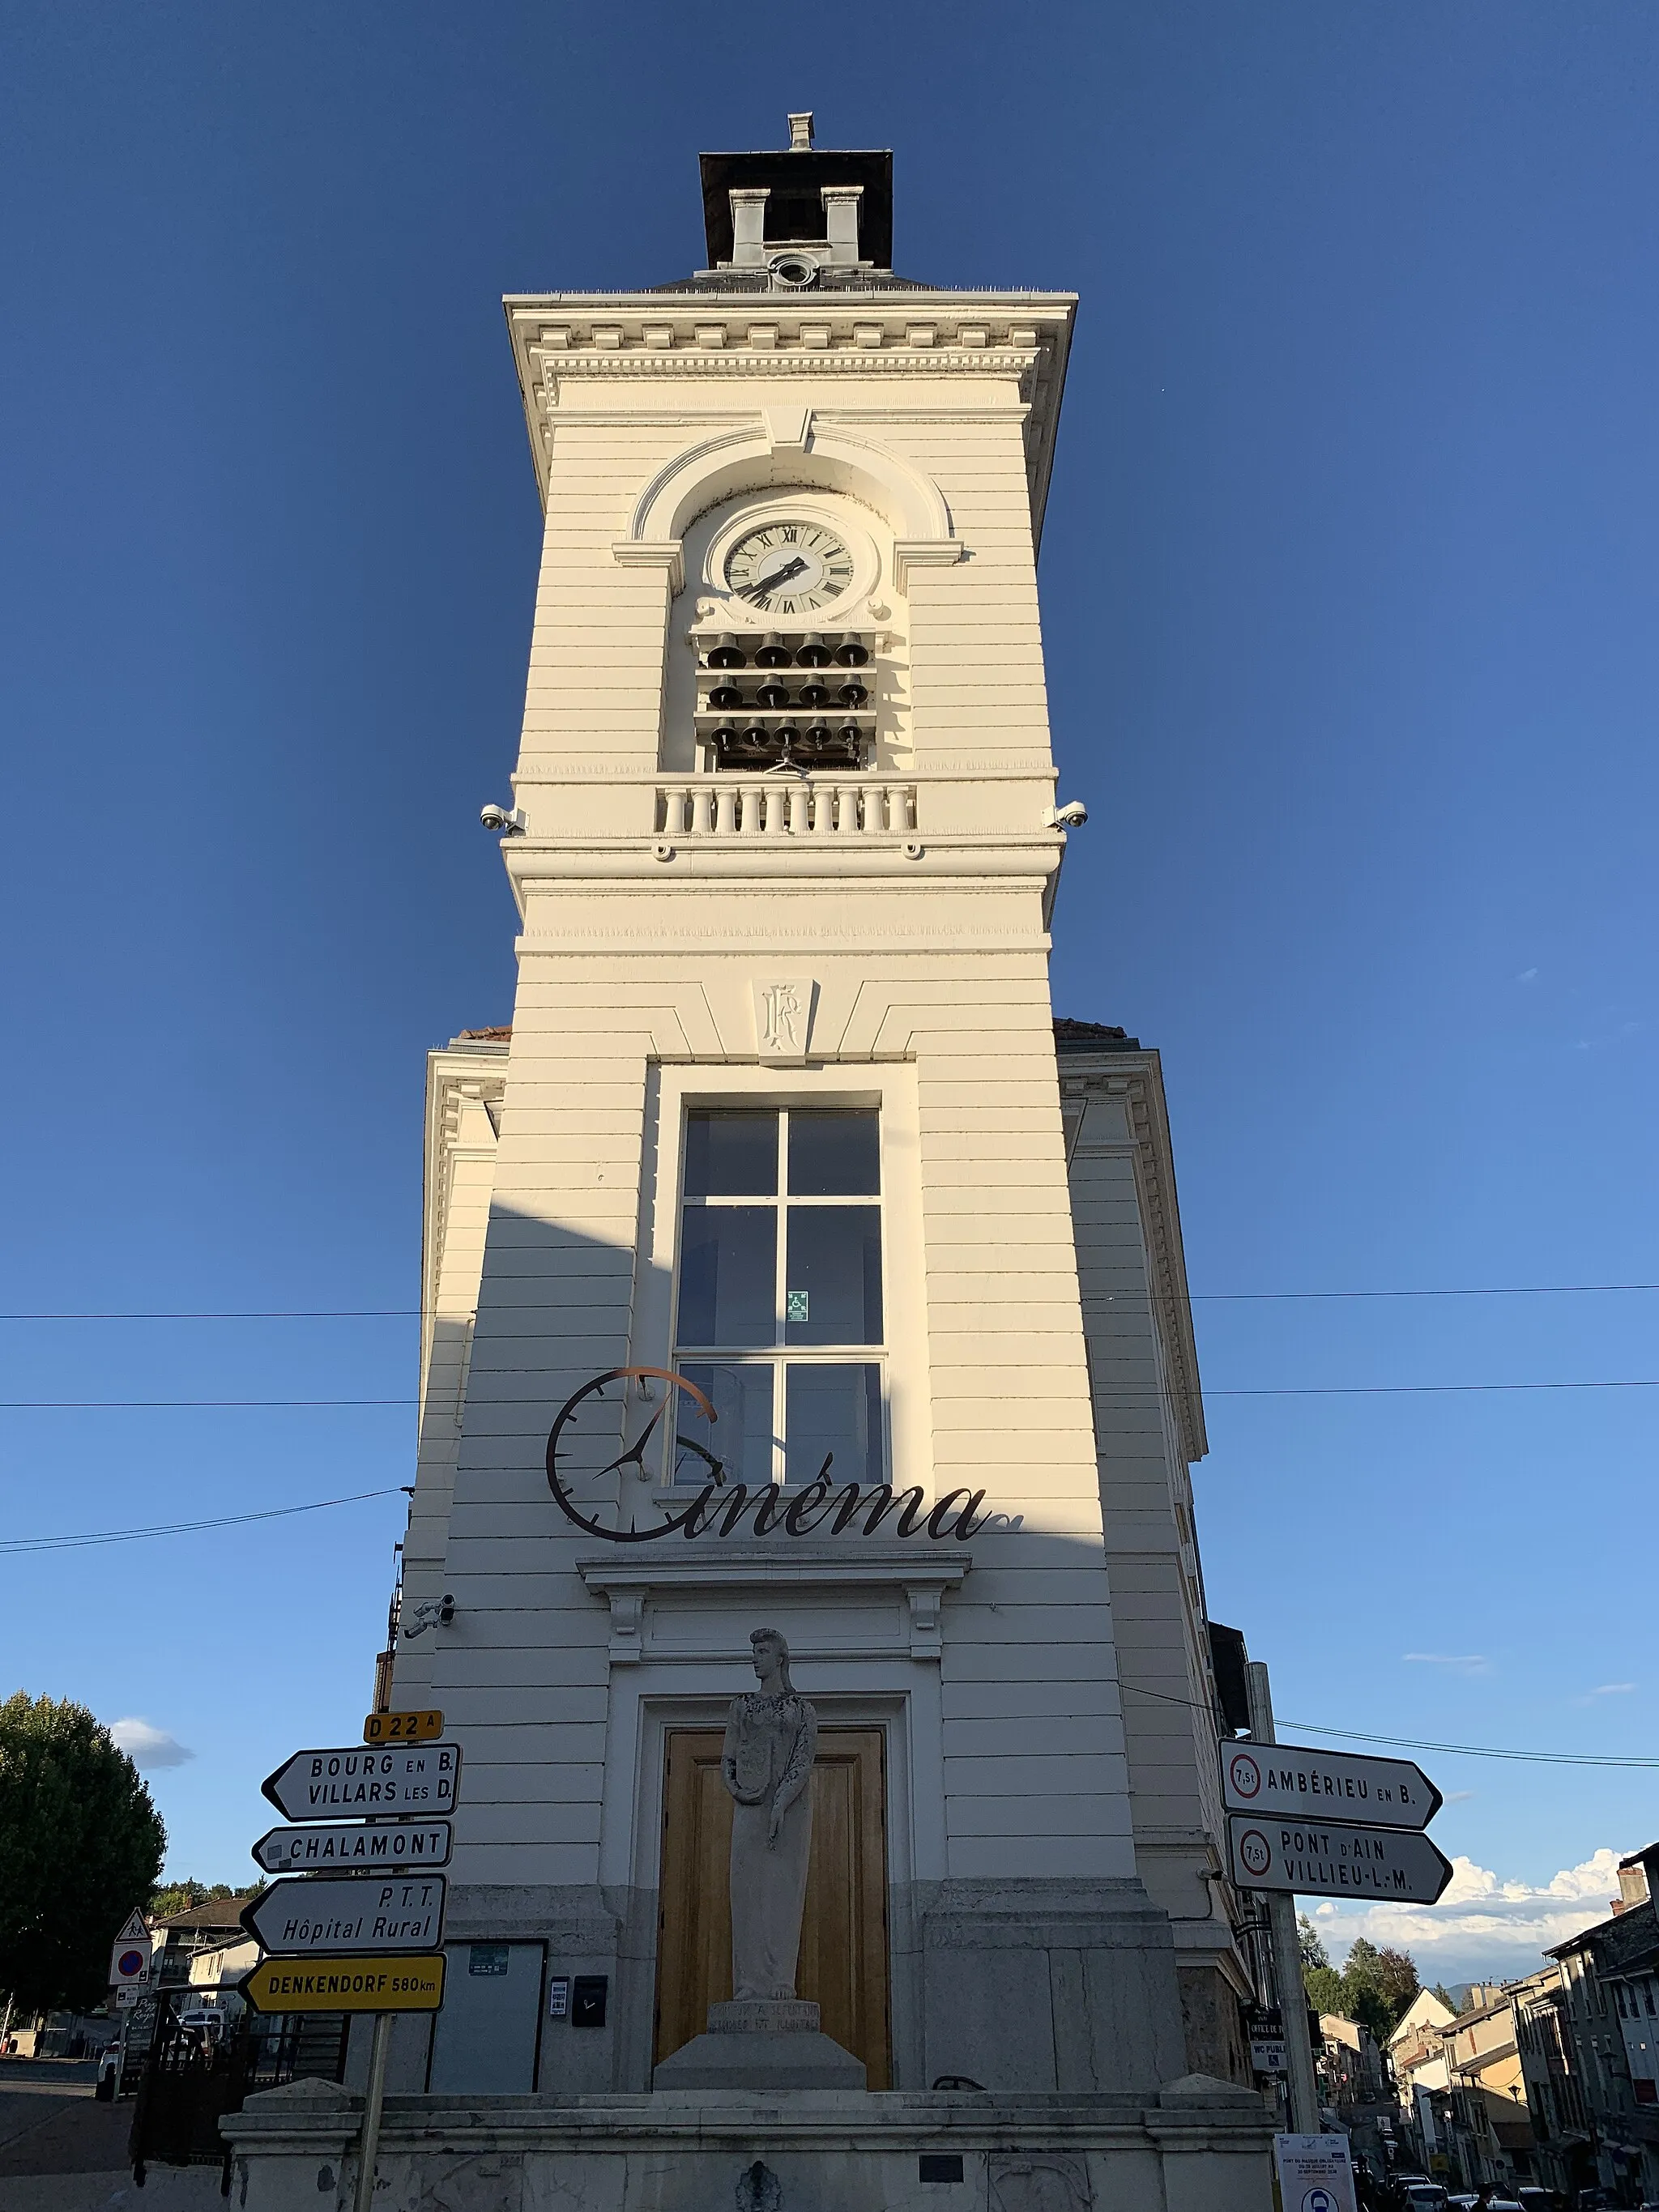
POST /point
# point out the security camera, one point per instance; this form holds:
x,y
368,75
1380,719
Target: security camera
x,y
1073,816
503,823
435,1613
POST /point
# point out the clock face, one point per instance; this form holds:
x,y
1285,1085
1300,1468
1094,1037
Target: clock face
x,y
788,567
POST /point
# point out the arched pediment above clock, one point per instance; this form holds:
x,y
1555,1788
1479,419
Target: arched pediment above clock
x,y
789,446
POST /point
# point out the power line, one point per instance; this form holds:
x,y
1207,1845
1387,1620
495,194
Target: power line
x,y
1122,1396
1198,1298
1478,1290
277,1313
1410,1742
1473,1750
182,1528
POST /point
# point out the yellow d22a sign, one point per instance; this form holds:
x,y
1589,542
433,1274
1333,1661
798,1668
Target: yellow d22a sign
x,y
412,1983
402,1728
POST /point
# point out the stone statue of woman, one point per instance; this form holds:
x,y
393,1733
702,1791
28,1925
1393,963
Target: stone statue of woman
x,y
766,1762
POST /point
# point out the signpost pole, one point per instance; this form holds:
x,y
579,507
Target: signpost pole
x,y
1286,1945
370,2145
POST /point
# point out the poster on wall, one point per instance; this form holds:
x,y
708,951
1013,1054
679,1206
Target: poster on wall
x,y
1314,2174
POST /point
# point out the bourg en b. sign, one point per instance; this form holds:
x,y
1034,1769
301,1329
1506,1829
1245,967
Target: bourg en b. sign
x,y
374,1847
410,1983
1288,1780
349,1913
1335,1858
355,1780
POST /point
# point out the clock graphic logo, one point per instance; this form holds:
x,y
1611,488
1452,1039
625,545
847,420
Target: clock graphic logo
x,y
788,567
582,1455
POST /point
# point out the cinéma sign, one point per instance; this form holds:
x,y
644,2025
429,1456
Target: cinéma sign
x,y
719,1507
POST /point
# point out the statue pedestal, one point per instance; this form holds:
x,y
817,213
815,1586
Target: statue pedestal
x,y
761,2043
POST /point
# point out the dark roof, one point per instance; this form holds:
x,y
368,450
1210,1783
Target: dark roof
x,y
727,281
213,1912
1091,1037
1617,1944
486,1036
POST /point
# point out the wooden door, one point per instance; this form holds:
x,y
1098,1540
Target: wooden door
x,y
843,1943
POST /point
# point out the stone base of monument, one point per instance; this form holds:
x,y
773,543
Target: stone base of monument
x,y
1197,2145
762,2042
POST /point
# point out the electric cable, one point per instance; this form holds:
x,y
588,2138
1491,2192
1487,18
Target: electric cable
x,y
1409,1742
1120,1396
1197,1297
16,1543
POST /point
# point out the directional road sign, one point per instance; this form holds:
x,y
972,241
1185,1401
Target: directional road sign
x,y
402,1728
1316,1785
391,1983
1332,1858
345,1785
349,1912
379,1846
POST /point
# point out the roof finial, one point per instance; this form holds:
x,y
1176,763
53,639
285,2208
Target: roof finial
x,y
800,133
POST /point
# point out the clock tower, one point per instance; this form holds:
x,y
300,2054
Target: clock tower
x,y
774,1195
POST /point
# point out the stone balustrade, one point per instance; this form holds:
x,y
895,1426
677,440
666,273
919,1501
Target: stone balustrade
x,y
786,806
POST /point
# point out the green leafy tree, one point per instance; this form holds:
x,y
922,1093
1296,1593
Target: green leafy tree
x,y
1378,1986
1325,1990
1314,1952
80,1844
1446,1997
180,1896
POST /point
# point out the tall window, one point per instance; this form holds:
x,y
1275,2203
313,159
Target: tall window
x,y
779,1313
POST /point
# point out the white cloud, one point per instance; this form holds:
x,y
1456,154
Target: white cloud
x,y
1466,1662
1484,1927
146,1747
1457,1796
1526,975
1614,1690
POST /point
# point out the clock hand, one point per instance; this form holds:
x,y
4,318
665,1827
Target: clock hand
x,y
635,1455
782,575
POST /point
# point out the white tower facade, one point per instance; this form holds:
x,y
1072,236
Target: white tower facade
x,y
780,1118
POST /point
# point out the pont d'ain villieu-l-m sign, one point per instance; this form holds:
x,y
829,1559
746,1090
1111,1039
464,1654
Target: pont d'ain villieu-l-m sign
x,y
584,1429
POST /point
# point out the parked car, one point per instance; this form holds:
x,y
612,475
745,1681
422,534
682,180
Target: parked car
x,y
1423,2197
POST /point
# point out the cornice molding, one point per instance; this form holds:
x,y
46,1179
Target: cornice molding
x,y
1136,1079
984,338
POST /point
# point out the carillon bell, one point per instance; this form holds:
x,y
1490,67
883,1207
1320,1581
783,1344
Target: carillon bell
x,y
773,653
726,652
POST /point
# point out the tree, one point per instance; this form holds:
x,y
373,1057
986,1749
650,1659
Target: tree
x,y
177,1896
80,1844
1445,1997
1378,1986
1325,1990
1314,1952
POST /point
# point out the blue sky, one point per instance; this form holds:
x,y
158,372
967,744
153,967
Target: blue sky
x,y
1349,580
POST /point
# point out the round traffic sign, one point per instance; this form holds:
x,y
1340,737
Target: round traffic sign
x,y
1244,1774
1255,1852
128,1964
1319,2200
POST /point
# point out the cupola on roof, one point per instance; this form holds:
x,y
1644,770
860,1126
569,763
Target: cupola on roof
x,y
835,209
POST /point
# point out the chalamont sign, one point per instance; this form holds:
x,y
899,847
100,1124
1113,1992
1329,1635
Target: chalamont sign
x,y
721,1507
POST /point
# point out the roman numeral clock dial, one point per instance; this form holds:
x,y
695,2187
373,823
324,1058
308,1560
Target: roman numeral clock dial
x,y
788,567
